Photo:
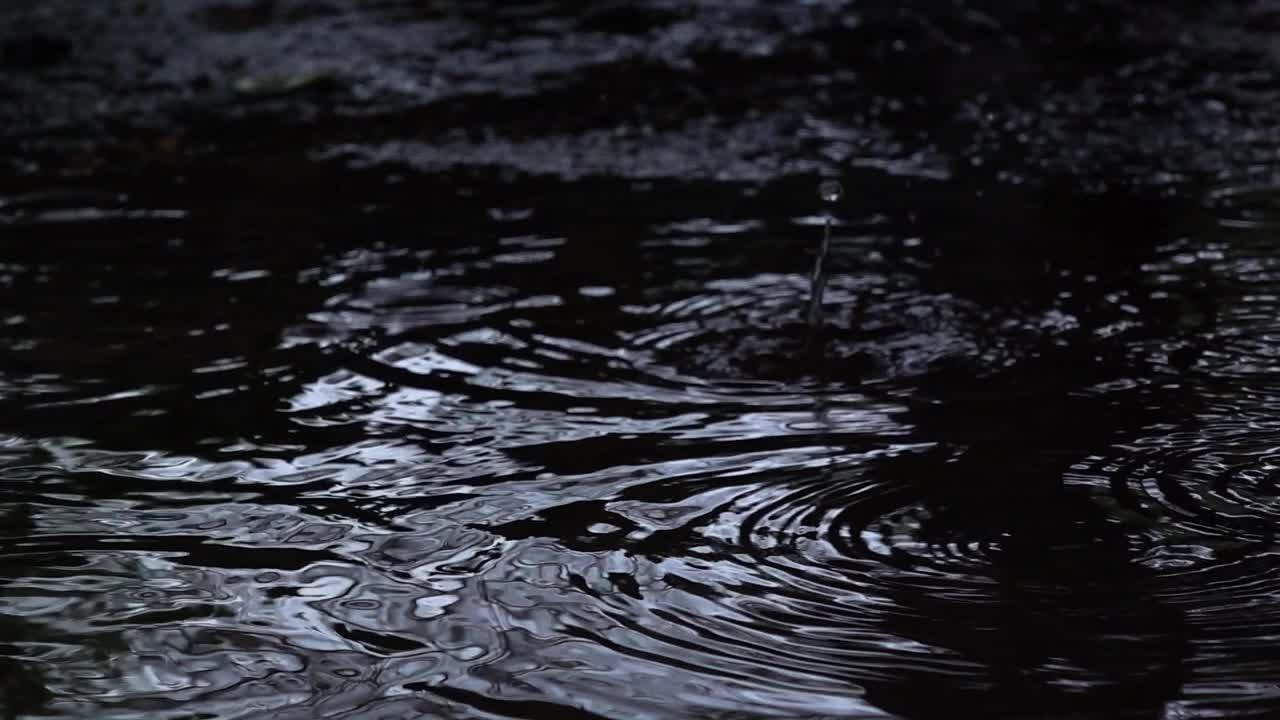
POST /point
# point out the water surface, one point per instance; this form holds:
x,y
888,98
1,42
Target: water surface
x,y
340,397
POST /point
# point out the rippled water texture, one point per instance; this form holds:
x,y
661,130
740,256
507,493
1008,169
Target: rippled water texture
x,y
403,385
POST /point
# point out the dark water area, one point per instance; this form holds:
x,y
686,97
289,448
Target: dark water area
x,y
452,360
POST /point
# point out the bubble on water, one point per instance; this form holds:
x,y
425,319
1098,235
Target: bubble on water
x,y
830,191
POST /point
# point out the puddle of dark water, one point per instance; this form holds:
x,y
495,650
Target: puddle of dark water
x,y
540,464
324,393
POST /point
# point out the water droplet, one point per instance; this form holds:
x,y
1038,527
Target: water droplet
x,y
830,191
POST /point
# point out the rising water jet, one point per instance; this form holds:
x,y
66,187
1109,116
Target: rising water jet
x,y
830,192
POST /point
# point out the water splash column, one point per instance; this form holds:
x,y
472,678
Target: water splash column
x,y
830,192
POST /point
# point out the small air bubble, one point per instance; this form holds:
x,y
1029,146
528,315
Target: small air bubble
x,y
830,191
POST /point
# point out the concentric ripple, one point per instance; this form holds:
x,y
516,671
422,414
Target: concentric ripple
x,y
751,328
1206,506
528,472
449,360
701,325
798,578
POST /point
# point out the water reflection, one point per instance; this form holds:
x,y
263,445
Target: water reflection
x,y
424,359
512,475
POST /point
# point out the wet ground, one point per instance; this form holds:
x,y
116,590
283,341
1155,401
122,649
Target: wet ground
x,y
440,359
